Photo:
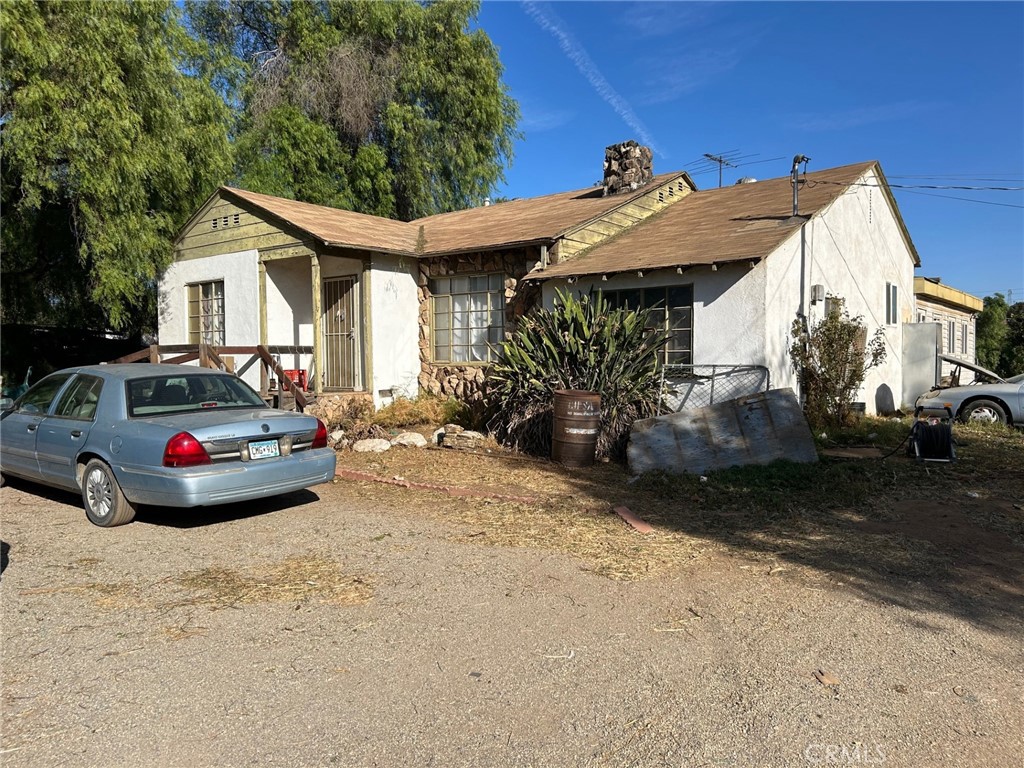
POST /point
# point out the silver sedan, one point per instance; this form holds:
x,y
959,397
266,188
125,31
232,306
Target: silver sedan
x,y
169,435
989,398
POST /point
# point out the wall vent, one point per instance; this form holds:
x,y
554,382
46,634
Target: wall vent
x,y
661,196
236,220
213,224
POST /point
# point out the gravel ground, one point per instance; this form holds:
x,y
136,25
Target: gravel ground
x,y
168,642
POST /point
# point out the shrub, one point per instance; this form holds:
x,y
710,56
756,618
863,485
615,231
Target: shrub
x,y
423,409
832,358
581,344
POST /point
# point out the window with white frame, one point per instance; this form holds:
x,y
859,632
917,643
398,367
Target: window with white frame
x,y
671,310
892,307
963,339
469,317
951,336
206,313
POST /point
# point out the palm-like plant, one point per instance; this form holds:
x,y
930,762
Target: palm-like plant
x,y
581,344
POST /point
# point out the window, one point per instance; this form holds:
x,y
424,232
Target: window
x,y
80,398
950,336
206,313
963,339
41,394
892,307
922,317
469,317
672,311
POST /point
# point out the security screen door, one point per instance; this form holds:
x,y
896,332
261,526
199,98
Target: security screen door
x,y
339,330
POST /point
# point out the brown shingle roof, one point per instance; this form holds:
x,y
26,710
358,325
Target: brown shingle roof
x,y
334,226
484,228
524,221
737,223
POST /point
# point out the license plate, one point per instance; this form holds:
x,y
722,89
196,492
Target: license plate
x,y
264,449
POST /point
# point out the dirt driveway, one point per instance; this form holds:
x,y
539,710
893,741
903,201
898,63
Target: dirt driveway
x,y
341,628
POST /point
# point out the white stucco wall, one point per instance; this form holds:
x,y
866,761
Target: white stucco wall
x,y
853,248
744,315
394,315
239,272
728,308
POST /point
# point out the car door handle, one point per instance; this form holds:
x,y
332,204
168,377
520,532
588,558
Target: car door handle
x,y
31,427
76,433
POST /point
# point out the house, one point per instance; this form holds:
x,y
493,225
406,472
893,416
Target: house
x,y
954,311
385,307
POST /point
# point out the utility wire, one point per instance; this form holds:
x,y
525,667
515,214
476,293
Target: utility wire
x,y
964,199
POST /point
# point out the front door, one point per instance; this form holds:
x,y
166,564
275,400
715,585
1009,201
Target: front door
x,y
340,345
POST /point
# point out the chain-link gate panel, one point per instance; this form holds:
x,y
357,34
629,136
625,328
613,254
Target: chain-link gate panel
x,y
685,387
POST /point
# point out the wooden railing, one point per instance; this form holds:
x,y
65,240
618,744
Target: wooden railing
x,y
210,356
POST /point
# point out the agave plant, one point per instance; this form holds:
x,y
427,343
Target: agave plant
x,y
581,344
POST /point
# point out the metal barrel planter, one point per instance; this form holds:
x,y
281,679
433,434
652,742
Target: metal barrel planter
x,y
576,428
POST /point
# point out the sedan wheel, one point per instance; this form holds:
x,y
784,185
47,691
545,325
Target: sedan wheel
x,y
984,411
105,504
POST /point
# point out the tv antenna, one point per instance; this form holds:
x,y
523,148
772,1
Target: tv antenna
x,y
717,161
721,161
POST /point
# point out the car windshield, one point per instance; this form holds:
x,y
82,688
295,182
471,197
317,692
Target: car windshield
x,y
1018,379
159,395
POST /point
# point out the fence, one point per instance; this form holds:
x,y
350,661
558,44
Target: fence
x,y
685,387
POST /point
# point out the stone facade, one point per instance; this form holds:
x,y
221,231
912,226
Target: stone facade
x,y
466,382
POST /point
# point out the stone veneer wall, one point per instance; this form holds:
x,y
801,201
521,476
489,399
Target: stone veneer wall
x,y
466,382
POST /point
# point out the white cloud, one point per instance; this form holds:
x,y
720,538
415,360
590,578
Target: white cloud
x,y
577,54
675,77
855,118
647,19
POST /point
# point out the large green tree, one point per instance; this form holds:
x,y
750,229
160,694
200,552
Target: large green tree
x,y
391,108
110,140
990,331
1011,361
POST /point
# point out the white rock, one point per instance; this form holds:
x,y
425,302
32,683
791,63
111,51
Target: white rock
x,y
373,445
411,439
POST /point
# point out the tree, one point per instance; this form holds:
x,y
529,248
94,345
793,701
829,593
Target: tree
x,y
395,109
109,144
1011,361
990,331
832,359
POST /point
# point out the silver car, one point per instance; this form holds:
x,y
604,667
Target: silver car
x,y
973,393
169,435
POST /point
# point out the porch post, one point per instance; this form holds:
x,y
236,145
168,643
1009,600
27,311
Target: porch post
x,y
263,322
317,324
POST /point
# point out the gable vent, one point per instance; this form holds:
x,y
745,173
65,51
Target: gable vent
x,y
671,192
661,196
213,224
236,219
679,184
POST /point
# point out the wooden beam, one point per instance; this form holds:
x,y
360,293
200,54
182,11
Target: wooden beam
x,y
365,327
264,332
154,353
318,352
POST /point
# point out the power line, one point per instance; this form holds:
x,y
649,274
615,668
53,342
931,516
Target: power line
x,y
964,199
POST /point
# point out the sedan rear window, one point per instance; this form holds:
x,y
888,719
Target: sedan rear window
x,y
157,395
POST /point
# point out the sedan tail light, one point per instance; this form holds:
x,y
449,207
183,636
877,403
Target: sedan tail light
x,y
183,450
320,441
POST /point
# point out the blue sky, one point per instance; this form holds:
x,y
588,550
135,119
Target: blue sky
x,y
934,91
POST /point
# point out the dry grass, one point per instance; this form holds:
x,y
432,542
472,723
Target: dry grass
x,y
754,510
295,579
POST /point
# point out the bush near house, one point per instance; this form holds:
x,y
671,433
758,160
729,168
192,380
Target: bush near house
x,y
832,358
581,344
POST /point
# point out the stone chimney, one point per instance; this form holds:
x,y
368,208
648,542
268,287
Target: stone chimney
x,y
627,166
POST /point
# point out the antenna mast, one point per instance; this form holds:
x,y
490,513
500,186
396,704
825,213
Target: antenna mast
x,y
720,161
